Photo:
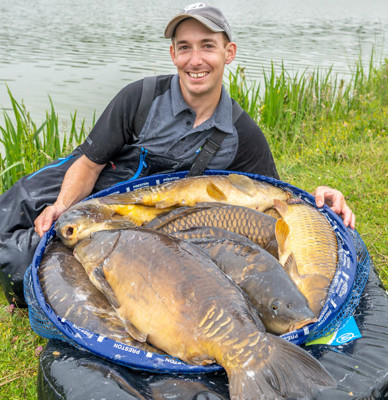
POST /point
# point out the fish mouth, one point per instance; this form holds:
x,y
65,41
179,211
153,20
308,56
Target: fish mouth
x,y
301,324
69,231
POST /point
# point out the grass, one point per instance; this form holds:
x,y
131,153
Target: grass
x,y
28,147
322,131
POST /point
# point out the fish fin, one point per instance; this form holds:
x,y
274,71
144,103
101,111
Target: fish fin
x,y
282,230
281,207
98,278
201,360
288,372
134,332
243,183
119,224
215,193
291,267
167,203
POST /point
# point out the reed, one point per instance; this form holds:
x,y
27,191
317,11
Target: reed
x,y
28,146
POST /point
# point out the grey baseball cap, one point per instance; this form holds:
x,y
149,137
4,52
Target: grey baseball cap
x,y
209,16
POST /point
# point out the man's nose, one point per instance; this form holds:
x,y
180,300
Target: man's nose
x,y
196,57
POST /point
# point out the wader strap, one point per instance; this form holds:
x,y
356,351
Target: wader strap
x,y
147,97
212,145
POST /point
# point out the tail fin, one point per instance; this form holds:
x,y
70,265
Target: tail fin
x,y
286,372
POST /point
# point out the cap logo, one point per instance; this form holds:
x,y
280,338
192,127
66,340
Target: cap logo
x,y
194,6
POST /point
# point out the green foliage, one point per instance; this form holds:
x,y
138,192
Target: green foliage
x,y
28,147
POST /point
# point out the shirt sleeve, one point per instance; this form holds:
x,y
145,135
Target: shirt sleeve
x,y
253,153
114,128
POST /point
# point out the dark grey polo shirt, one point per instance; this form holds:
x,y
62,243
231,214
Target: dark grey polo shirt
x,y
169,130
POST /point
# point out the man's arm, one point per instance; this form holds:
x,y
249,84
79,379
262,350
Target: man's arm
x,y
77,184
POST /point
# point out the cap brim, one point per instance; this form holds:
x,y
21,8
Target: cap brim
x,y
171,26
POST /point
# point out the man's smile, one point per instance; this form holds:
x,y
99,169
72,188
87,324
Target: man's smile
x,y
196,75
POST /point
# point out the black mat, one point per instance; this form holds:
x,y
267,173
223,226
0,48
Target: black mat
x,y
359,367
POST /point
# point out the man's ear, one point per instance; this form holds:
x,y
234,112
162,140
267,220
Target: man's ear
x,y
172,52
231,50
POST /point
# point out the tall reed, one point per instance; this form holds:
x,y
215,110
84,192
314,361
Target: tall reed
x,y
28,147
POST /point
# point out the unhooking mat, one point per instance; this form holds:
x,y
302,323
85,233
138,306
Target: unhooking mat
x,y
360,367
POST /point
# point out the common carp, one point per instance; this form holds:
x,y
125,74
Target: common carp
x,y
255,225
80,220
230,189
168,293
280,304
307,249
71,295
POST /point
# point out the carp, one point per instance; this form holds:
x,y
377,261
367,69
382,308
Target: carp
x,y
169,293
255,225
230,189
279,303
69,292
308,250
80,220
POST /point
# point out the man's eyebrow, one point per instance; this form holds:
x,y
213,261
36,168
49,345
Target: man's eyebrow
x,y
206,40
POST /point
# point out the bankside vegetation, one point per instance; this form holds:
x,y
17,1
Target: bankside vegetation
x,y
323,130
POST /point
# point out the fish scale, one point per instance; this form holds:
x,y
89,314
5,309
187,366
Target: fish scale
x,y
254,225
308,250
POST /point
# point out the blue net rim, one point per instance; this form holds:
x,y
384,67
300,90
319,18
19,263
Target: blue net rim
x,y
130,356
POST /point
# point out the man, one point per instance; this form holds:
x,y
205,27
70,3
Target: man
x,y
186,110
201,47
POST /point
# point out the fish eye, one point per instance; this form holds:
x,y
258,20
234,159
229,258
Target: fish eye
x,y
275,305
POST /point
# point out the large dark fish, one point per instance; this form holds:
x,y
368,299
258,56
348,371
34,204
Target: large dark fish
x,y
89,216
255,225
280,304
308,250
169,293
69,292
230,189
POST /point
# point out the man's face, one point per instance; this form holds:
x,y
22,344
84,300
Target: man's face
x,y
200,56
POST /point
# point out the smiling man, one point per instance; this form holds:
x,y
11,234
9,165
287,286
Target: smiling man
x,y
185,121
190,113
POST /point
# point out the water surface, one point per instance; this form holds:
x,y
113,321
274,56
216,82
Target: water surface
x,y
81,53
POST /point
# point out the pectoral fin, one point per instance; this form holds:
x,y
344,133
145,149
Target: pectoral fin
x,y
134,332
98,279
215,192
282,230
281,207
166,203
243,183
291,267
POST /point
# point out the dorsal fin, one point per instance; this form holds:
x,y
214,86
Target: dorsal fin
x,y
243,183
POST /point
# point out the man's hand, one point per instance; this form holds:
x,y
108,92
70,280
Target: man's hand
x,y
47,217
336,201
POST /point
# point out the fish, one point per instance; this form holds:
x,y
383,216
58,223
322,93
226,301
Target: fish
x,y
253,224
308,250
68,291
233,189
168,293
280,305
91,215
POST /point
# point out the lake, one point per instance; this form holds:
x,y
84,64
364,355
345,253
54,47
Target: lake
x,y
81,53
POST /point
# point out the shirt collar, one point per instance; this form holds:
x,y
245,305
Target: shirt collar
x,y
222,116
